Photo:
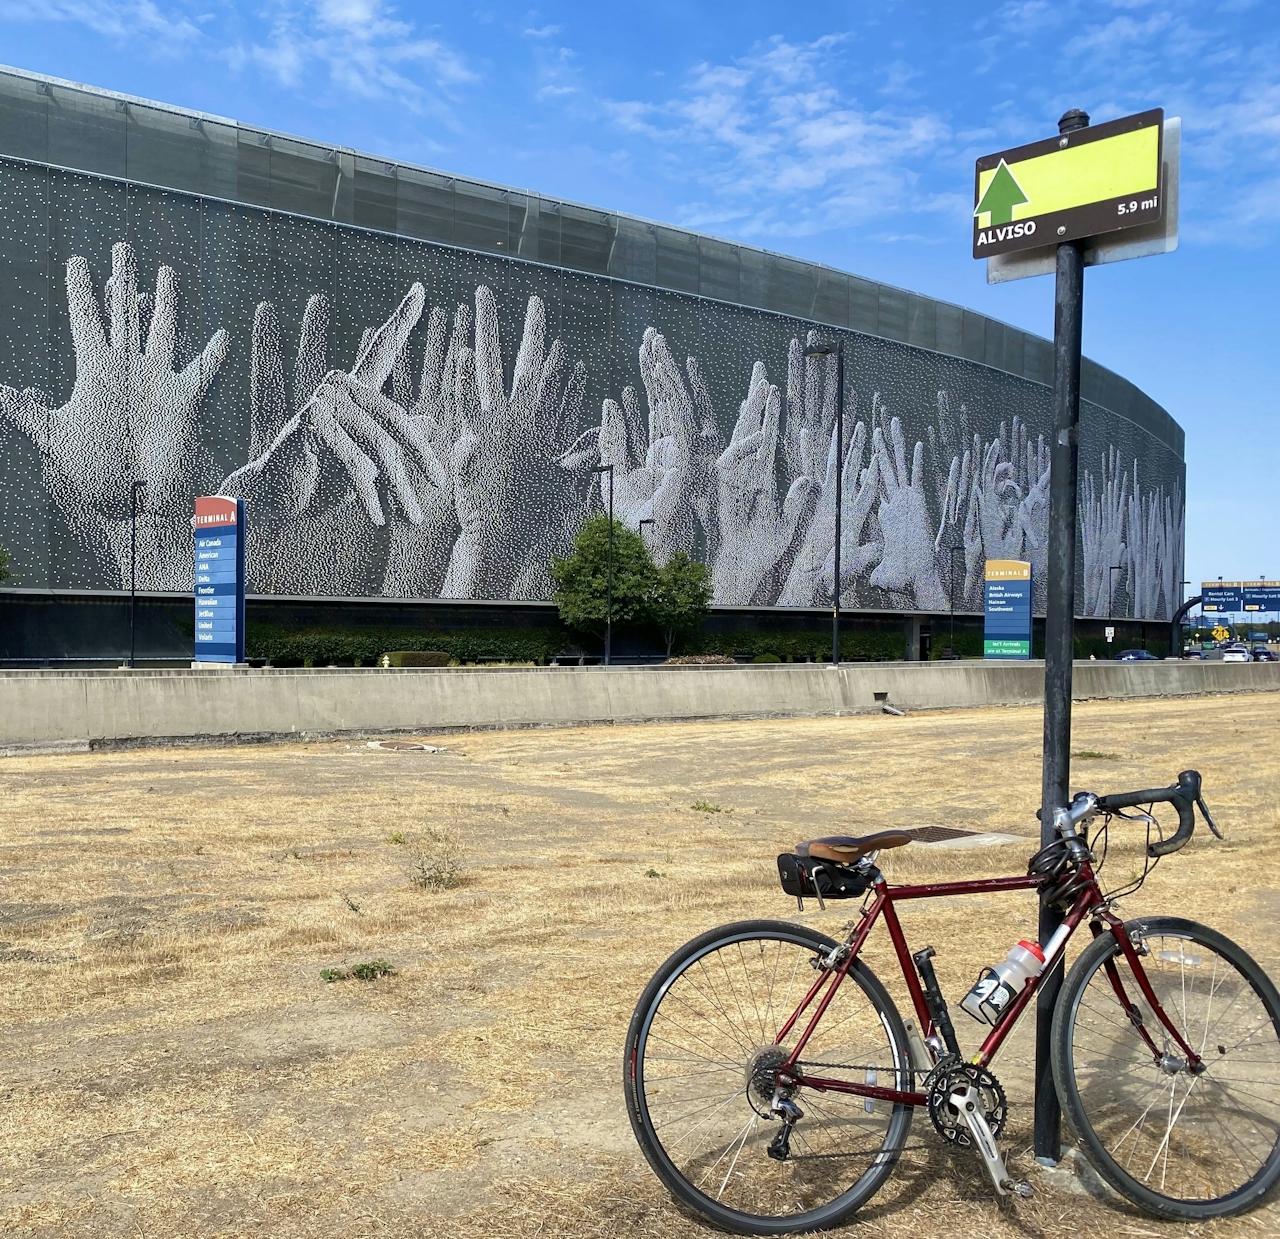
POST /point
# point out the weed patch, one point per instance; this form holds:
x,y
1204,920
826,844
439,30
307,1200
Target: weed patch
x,y
435,861
369,971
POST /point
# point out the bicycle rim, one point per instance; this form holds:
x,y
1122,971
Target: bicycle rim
x,y
704,1054
1180,1144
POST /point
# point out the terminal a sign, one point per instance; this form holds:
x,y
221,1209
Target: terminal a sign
x,y
219,536
1084,183
1218,597
1007,609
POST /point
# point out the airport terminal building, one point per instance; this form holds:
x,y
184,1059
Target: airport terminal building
x,y
414,379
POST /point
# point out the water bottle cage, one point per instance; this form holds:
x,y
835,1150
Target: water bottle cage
x,y
990,995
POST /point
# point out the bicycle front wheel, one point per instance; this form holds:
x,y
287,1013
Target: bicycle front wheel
x,y
1179,1142
702,1053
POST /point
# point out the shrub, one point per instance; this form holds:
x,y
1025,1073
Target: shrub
x,y
766,658
320,647
415,658
435,861
694,660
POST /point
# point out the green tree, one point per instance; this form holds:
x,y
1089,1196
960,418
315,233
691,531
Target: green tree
x,y
680,597
5,574
581,579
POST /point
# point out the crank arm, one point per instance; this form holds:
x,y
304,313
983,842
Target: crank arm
x,y
969,1106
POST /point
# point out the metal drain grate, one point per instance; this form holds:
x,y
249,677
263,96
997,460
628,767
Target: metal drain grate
x,y
937,834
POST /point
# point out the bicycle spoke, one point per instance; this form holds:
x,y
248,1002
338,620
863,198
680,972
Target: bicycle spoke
x,y
706,1079
1186,1137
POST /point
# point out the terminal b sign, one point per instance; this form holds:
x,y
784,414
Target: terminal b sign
x,y
218,524
1006,629
1084,183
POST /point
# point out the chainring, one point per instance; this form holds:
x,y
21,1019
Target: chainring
x,y
952,1076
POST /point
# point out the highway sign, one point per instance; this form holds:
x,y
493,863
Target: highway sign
x,y
1261,596
219,579
1219,596
1083,183
1007,609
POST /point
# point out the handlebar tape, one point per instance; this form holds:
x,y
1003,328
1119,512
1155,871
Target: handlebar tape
x,y
1182,795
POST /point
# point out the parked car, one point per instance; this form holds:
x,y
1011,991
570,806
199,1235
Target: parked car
x,y
1136,656
1236,653
1261,654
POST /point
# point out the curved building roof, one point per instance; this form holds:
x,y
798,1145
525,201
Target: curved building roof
x,y
68,125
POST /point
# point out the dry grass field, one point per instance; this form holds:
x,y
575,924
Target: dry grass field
x,y
172,1062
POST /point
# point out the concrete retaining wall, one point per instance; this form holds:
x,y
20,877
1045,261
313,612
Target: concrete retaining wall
x,y
52,709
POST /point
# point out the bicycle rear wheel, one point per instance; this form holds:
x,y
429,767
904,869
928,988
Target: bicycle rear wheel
x,y
1179,1144
699,1070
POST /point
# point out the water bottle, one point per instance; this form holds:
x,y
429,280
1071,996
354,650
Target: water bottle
x,y
997,987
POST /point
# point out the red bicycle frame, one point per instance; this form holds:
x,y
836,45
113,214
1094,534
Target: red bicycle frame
x,y
1089,902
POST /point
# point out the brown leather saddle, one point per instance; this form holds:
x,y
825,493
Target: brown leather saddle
x,y
846,849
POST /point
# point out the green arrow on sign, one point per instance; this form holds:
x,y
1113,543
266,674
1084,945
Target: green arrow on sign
x,y
1003,194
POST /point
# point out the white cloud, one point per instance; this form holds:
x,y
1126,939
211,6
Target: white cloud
x,y
360,46
780,148
119,20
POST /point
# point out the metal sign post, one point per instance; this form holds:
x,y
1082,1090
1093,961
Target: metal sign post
x,y
1092,194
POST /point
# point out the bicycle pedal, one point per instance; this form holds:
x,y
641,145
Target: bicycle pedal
x,y
1019,1187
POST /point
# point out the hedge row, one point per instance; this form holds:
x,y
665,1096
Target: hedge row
x,y
855,644
322,647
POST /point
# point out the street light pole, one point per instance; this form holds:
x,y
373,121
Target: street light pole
x,y
608,604
819,349
138,487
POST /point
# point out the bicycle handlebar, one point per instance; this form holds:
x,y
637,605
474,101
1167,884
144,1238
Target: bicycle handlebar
x,y
1184,795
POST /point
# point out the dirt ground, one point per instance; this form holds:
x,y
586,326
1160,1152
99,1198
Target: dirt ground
x,y
172,1062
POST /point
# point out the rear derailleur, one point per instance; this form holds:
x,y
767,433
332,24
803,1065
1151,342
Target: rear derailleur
x,y
968,1108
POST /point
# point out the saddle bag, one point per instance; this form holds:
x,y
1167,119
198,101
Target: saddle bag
x,y
807,877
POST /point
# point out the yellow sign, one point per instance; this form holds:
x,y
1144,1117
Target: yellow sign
x,y
1008,570
1089,181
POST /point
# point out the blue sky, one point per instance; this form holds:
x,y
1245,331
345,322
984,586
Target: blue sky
x,y
844,133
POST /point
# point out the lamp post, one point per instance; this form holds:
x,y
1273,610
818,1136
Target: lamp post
x,y
138,487
820,349
608,604
648,520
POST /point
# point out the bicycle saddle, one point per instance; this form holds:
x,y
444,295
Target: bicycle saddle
x,y
845,849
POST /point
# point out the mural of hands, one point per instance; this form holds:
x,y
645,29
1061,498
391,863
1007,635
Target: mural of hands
x,y
131,417
663,481
811,581
909,562
1102,514
321,491
757,535
521,478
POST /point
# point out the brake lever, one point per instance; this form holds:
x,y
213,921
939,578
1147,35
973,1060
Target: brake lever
x,y
1204,811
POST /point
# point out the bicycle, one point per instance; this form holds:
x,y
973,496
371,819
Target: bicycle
x,y
770,1100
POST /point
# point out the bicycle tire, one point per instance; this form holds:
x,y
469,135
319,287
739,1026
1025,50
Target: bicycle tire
x,y
677,983
1217,1123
